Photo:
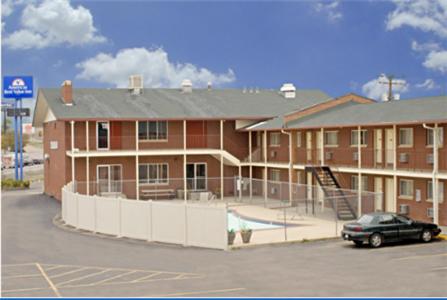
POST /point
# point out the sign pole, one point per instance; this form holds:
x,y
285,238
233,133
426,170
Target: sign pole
x,y
16,175
21,142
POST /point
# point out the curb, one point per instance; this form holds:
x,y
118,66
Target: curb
x,y
442,237
303,241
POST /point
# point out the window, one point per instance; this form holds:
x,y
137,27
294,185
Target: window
x,y
355,182
102,135
152,130
331,138
196,176
355,137
275,175
298,139
275,139
405,137
440,191
440,137
109,178
406,188
153,173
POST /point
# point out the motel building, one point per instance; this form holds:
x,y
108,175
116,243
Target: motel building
x,y
160,143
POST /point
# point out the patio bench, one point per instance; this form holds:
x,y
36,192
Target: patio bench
x,y
167,193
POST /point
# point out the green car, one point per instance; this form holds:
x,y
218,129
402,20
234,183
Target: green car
x,y
379,228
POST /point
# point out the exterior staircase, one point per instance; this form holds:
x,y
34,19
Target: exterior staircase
x,y
331,189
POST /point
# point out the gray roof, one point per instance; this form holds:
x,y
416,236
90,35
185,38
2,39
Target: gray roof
x,y
173,104
352,114
416,110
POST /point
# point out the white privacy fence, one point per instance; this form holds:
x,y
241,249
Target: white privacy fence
x,y
176,222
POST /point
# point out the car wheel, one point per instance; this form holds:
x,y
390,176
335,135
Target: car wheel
x,y
375,240
426,235
358,243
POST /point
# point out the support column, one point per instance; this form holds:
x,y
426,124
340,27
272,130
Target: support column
x,y
137,161
435,175
221,161
265,184
359,167
290,167
395,168
264,146
322,146
185,185
72,153
250,159
240,183
87,147
264,150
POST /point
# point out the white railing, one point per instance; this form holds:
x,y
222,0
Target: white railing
x,y
176,222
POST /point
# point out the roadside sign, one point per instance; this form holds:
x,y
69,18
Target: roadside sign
x,y
19,112
18,87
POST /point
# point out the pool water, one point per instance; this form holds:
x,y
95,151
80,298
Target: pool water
x,y
236,222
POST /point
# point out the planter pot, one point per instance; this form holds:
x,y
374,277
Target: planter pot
x,y
246,235
231,237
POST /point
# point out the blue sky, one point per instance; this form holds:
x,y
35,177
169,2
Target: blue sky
x,y
335,46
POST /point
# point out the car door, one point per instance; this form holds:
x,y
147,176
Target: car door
x,y
388,227
408,229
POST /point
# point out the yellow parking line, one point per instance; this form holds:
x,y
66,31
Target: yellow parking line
x,y
82,277
18,265
52,268
21,276
68,272
146,277
24,290
51,284
421,256
198,292
114,277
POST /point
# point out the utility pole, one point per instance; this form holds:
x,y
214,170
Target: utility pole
x,y
391,81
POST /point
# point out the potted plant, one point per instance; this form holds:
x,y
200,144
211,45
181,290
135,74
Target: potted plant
x,y
231,236
245,234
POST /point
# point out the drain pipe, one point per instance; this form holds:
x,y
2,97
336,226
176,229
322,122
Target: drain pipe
x,y
435,171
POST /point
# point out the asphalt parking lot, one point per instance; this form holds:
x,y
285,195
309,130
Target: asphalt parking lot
x,y
40,259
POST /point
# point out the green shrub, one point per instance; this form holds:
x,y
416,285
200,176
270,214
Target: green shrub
x,y
11,183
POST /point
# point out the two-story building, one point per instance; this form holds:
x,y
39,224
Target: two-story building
x,y
134,141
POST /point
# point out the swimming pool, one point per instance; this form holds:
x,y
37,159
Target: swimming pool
x,y
236,222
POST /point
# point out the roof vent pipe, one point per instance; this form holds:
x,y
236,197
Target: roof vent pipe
x,y
136,84
288,90
186,86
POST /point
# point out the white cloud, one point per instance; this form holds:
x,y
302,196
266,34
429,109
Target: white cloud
x,y
331,10
424,47
425,15
437,60
428,84
377,87
154,65
52,23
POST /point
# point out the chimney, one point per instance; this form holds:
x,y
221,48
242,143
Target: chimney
x,y
288,90
67,92
186,86
136,84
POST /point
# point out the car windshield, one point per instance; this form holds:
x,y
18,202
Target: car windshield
x,y
366,219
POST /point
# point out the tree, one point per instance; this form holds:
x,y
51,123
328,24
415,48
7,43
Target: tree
x,y
8,141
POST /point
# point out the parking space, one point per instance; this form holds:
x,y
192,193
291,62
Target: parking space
x,y
28,278
43,260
